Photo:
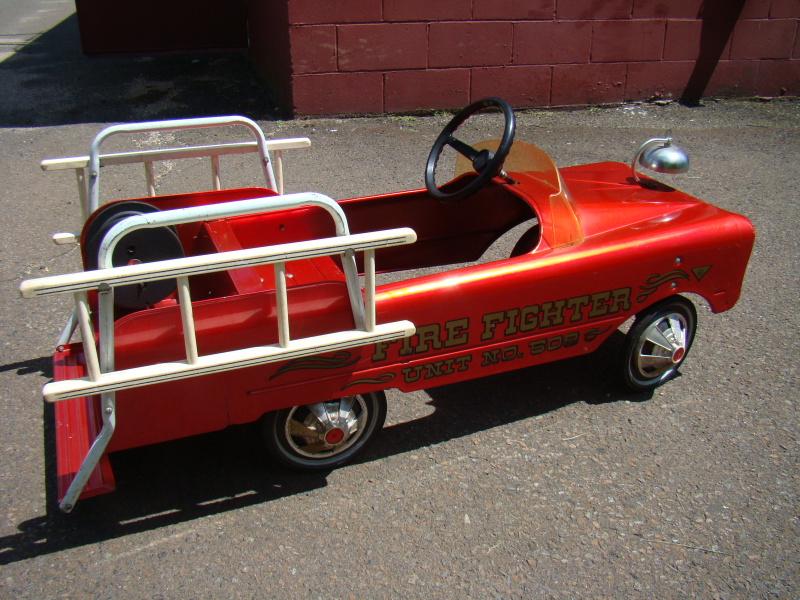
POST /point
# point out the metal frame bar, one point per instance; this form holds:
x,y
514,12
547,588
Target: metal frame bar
x,y
211,263
214,151
69,329
218,211
187,319
161,154
369,289
179,124
83,193
243,207
151,178
282,304
90,351
278,156
215,182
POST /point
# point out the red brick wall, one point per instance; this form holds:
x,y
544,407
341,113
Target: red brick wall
x,y
373,56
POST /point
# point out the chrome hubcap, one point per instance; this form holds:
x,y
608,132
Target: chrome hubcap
x,y
326,429
662,346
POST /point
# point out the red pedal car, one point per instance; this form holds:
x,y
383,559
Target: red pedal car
x,y
229,306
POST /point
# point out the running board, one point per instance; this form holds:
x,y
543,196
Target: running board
x,y
224,361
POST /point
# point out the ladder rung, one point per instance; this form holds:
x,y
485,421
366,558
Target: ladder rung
x,y
225,361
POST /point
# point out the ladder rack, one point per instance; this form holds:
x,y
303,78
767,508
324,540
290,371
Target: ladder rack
x,y
104,380
88,190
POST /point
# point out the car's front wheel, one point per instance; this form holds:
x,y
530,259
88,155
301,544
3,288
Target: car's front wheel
x,y
658,342
324,435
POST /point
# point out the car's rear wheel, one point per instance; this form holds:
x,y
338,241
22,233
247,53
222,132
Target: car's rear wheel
x,y
324,435
658,342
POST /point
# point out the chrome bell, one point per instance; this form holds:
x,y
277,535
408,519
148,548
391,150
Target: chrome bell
x,y
660,155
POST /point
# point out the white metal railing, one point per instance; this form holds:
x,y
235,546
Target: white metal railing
x,y
89,195
104,380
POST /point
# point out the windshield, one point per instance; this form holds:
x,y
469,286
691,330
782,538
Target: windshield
x,y
561,223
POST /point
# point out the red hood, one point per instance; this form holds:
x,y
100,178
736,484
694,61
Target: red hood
x,y
608,198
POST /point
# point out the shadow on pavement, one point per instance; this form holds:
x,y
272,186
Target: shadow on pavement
x,y
42,365
50,82
179,481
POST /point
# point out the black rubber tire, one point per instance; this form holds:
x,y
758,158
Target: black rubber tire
x,y
284,448
645,378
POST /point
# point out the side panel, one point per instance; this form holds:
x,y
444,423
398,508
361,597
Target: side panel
x,y
169,411
474,321
531,309
197,405
422,373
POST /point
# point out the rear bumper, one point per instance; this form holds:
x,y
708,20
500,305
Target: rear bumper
x,y
77,423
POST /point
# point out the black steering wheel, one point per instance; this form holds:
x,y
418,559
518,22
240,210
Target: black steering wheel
x,y
488,164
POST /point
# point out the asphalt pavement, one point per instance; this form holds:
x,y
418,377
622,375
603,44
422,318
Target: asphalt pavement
x,y
546,482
